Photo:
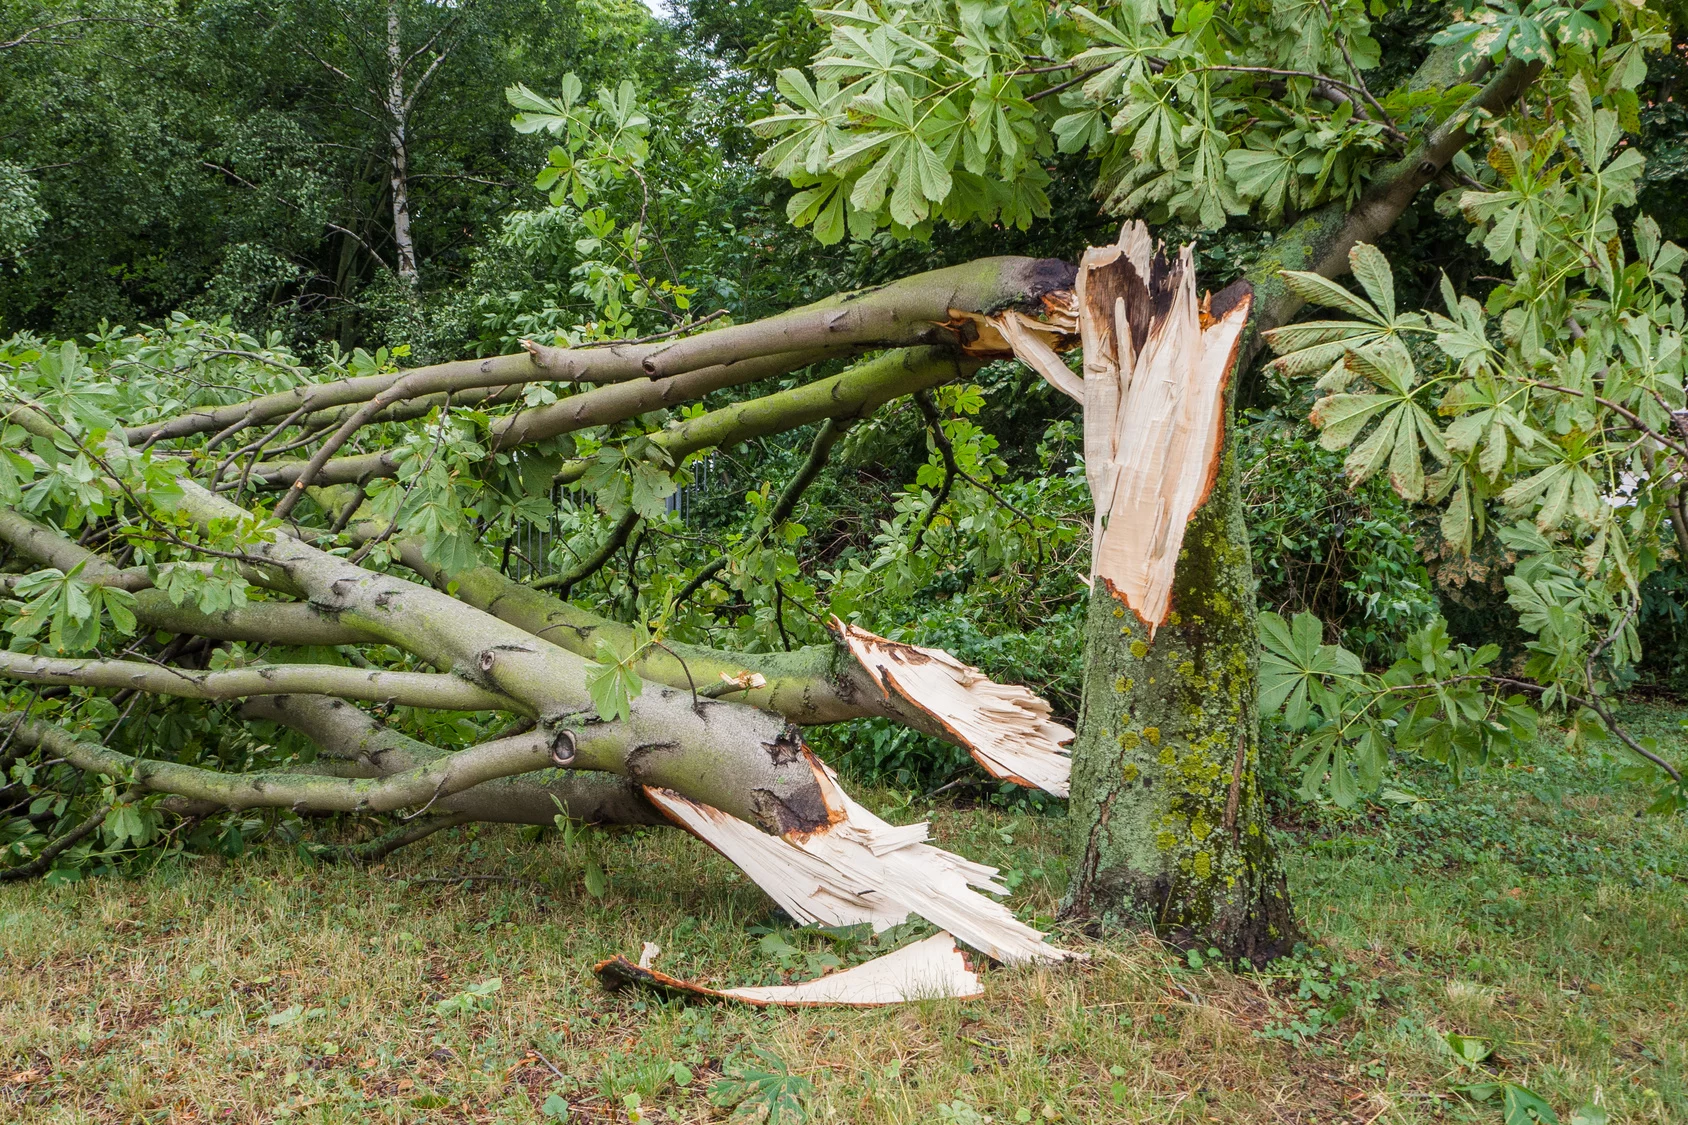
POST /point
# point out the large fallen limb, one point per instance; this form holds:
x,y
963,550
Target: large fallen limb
x,y
928,308
351,736
916,310
855,393
49,548
278,789
734,757
600,406
621,401
276,623
1006,728
314,397
280,623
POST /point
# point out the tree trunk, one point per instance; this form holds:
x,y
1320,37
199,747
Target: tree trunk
x,y
1169,826
1167,817
397,113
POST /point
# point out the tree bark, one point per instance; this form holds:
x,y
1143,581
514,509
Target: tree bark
x,y
1169,825
1167,817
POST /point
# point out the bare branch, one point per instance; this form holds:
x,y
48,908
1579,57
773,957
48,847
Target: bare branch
x,y
414,689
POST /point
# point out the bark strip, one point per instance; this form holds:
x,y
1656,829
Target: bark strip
x,y
933,969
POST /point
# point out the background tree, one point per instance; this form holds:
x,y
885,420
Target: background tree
x,y
238,175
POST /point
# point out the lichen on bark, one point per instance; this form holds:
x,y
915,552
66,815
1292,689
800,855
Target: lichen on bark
x,y
1168,817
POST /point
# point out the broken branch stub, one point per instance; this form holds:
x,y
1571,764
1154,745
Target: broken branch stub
x,y
1006,727
1157,363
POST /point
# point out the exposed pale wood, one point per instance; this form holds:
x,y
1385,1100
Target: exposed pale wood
x,y
926,970
862,869
1156,365
1005,727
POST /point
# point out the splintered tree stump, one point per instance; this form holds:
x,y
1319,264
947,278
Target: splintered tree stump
x,y
1168,820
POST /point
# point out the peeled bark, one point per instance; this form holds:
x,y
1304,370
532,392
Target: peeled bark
x,y
1167,816
927,970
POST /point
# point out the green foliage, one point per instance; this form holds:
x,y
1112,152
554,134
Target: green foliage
x,y
951,109
21,213
70,609
475,998
1323,989
1560,393
1348,555
1439,701
762,1082
233,158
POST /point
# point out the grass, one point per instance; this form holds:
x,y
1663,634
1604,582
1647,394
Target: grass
x,y
1531,908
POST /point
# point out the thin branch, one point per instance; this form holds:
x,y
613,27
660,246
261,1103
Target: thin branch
x,y
44,859
1593,704
383,846
24,39
943,442
684,328
1680,449
935,427
1365,91
1049,91
819,450
594,562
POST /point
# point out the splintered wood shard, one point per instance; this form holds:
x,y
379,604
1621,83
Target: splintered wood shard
x,y
862,869
1156,365
1005,727
926,970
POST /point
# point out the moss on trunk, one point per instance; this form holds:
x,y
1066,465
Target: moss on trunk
x,y
1169,825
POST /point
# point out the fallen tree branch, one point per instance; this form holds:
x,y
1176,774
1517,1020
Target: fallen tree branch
x,y
45,857
385,845
854,393
916,310
412,689
593,563
277,789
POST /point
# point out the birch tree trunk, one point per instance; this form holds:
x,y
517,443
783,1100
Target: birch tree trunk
x,y
398,113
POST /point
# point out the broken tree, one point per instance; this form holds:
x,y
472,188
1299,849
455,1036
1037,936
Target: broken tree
x,y
151,546
320,555
1168,820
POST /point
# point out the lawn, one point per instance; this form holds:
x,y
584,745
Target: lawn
x,y
1531,909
